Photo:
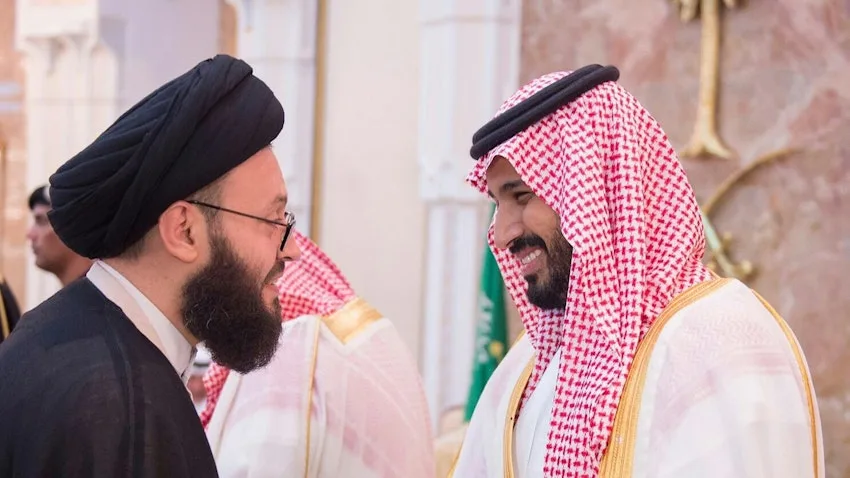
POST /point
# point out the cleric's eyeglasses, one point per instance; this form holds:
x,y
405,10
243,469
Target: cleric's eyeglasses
x,y
287,225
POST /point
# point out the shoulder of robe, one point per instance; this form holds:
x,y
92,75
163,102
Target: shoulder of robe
x,y
351,319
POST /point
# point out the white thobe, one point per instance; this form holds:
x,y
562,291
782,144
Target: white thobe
x,y
726,392
145,316
342,398
532,427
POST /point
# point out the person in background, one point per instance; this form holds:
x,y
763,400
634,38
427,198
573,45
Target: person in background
x,y
196,378
51,254
342,397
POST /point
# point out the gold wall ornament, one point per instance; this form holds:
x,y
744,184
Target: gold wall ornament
x,y
705,140
727,184
718,245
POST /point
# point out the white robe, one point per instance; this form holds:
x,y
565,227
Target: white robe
x,y
719,388
150,321
340,399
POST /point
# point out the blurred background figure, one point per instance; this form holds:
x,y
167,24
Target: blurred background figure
x,y
195,383
449,439
51,254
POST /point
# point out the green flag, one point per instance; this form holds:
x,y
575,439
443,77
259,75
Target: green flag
x,y
492,329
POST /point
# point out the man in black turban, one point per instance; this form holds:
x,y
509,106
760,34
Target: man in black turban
x,y
182,206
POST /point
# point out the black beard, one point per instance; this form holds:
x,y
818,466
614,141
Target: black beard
x,y
223,307
550,294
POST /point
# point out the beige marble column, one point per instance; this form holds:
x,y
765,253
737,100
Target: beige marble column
x,y
86,61
468,66
278,38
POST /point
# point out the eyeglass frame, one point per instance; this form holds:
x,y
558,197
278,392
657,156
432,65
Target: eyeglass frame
x,y
287,226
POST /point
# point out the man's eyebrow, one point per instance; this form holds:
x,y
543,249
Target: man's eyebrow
x,y
278,203
510,186
507,187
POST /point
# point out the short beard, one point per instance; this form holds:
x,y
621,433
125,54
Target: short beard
x,y
549,294
222,306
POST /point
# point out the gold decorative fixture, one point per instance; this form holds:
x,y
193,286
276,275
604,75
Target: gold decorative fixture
x,y
718,243
705,140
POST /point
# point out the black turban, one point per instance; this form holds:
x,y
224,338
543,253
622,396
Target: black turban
x,y
179,139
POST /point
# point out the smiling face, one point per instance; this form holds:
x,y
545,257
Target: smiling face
x,y
531,231
231,304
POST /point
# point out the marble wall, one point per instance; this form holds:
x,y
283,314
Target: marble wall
x,y
785,83
13,192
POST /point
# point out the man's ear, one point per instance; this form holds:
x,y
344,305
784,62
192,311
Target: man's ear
x,y
182,231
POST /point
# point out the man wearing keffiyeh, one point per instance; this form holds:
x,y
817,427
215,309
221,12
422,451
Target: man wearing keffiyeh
x,y
342,397
637,360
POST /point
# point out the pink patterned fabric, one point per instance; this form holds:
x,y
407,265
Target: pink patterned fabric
x,y
327,407
313,285
604,165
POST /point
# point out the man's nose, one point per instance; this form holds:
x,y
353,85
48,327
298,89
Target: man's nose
x,y
291,252
506,230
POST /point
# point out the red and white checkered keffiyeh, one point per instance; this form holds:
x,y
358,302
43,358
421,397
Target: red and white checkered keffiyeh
x,y
312,285
604,165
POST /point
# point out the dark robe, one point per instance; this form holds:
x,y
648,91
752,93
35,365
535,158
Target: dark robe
x,y
10,306
84,394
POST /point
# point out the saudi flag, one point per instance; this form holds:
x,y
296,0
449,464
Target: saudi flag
x,y
492,329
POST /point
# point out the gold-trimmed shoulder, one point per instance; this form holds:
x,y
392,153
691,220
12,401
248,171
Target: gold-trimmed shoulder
x,y
510,418
519,337
351,319
513,405
804,374
618,460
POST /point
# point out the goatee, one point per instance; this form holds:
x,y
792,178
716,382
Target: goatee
x,y
223,308
549,293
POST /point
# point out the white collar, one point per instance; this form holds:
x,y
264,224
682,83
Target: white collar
x,y
151,322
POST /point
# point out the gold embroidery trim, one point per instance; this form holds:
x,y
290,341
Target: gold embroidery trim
x,y
451,472
4,319
344,324
510,419
454,465
519,337
804,373
618,460
310,399
351,319
524,382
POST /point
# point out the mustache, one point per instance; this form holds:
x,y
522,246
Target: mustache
x,y
528,240
275,273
